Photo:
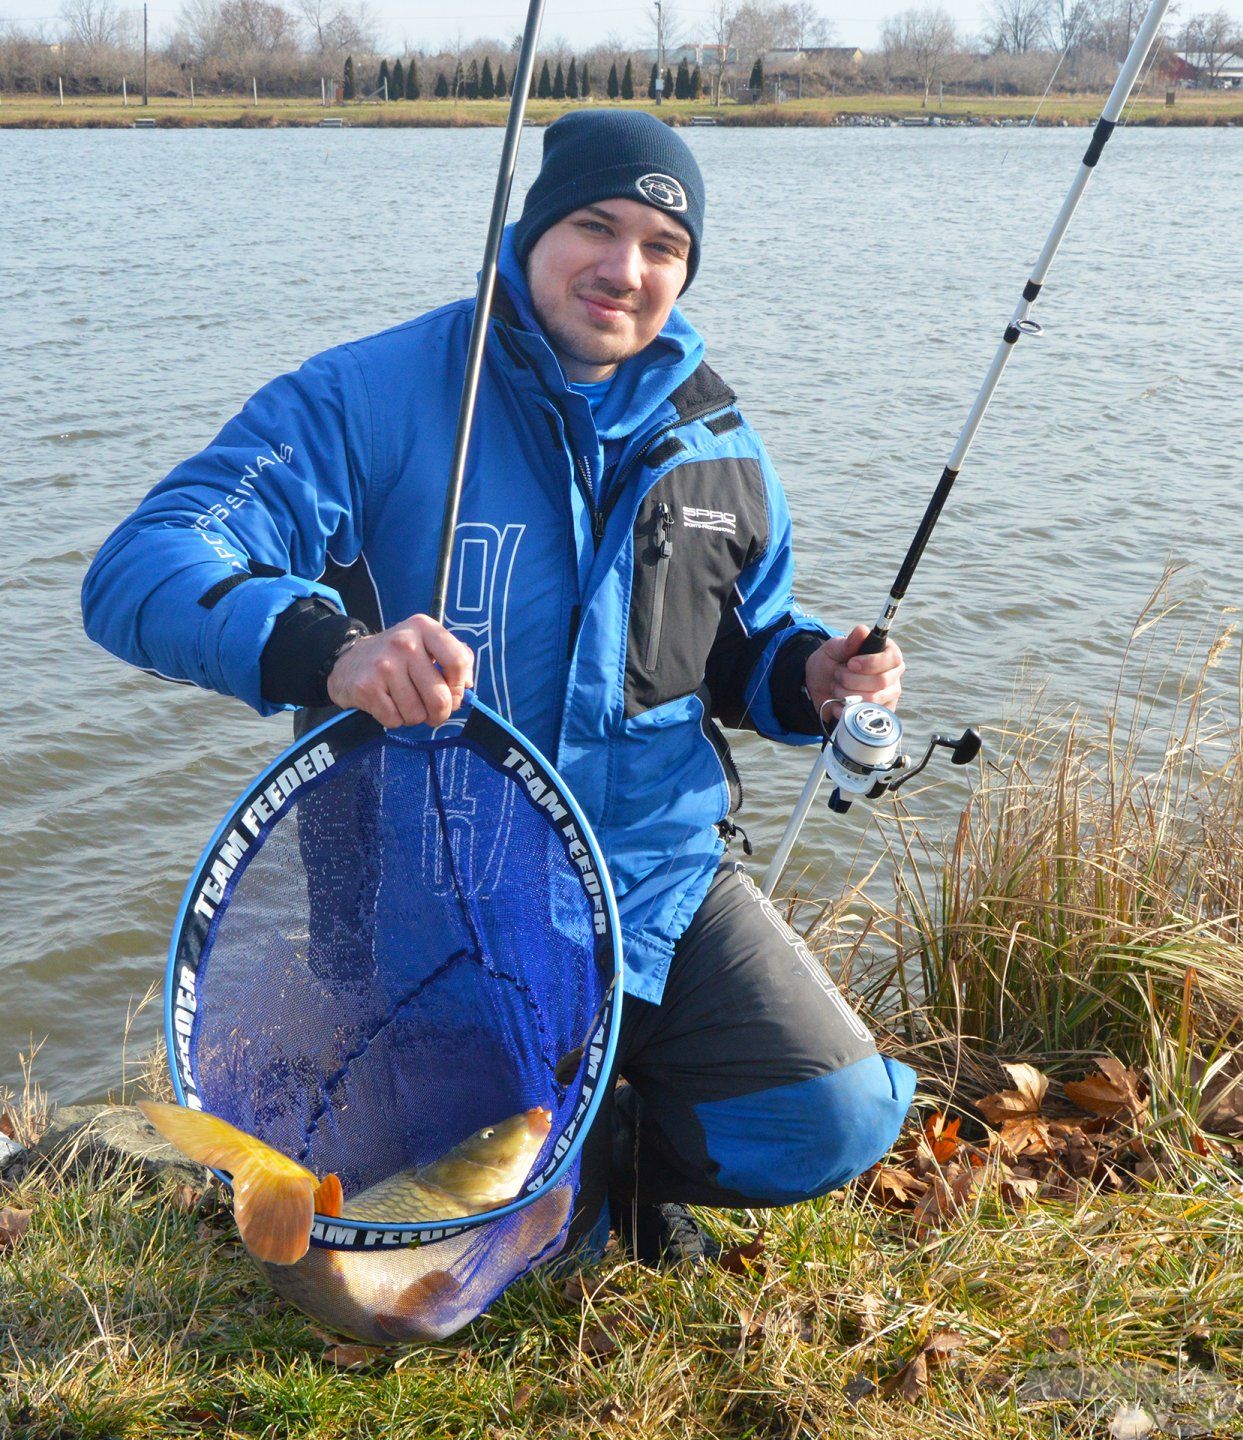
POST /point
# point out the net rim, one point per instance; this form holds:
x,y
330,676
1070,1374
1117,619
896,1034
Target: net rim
x,y
357,728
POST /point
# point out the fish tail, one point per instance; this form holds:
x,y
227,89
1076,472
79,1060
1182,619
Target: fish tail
x,y
272,1195
419,1312
329,1197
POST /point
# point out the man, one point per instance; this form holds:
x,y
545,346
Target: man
x,y
621,580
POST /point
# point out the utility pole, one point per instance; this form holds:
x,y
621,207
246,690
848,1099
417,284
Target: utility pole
x,y
145,100
660,53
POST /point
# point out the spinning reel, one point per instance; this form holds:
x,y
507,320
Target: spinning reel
x,y
863,755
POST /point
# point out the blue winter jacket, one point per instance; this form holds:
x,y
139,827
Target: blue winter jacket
x,y
609,629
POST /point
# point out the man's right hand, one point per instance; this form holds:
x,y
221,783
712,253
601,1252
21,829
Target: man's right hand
x,y
413,673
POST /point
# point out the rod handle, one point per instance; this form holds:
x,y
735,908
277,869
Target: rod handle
x,y
875,642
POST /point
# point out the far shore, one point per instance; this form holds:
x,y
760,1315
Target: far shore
x,y
240,111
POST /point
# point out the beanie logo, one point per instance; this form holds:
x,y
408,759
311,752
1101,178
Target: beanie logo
x,y
662,190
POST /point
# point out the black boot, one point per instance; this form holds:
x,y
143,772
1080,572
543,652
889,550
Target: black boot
x,y
665,1235
656,1235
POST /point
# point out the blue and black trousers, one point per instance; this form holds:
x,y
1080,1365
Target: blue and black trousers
x,y
753,1083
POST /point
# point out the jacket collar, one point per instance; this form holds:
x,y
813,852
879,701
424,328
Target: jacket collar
x,y
642,386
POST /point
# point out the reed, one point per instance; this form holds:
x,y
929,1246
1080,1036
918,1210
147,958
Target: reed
x,y
1089,899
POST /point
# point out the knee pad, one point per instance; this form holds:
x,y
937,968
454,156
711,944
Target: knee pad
x,y
779,1146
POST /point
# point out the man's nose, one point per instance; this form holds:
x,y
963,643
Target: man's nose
x,y
621,265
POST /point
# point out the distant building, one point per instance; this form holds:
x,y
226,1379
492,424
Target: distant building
x,y
811,59
693,55
1188,67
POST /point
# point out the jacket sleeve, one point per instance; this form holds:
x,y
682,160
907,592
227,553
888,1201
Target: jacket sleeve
x,y
755,667
190,585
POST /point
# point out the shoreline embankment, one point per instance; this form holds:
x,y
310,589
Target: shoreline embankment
x,y
865,111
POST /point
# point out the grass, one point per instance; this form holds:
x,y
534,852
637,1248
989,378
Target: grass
x,y
1088,903
92,111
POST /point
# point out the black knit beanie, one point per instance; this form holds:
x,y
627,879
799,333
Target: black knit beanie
x,y
592,155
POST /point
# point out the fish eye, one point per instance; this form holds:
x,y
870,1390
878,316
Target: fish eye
x,y
488,1133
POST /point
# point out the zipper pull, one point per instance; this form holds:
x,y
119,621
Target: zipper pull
x,y
660,535
597,524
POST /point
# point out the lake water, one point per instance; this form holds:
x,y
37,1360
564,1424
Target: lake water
x,y
853,287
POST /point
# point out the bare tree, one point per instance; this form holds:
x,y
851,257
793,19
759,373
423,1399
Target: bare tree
x,y
334,29
1068,24
924,39
1208,40
722,20
95,24
1017,26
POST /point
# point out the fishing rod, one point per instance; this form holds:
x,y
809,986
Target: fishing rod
x,y
862,755
483,304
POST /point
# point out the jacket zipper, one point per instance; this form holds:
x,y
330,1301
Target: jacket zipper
x,y
662,540
720,744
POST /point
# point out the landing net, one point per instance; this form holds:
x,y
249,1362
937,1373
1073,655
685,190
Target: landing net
x,y
395,939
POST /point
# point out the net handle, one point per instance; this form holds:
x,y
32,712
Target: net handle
x,y
483,305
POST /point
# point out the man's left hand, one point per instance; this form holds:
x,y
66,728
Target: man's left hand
x,y
837,670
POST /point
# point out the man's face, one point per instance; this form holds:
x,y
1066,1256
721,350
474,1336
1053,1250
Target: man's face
x,y
604,280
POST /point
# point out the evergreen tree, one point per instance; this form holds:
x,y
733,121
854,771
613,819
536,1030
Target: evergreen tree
x,y
668,83
472,80
627,85
584,82
397,88
612,87
756,81
697,84
459,81
348,86
412,80
545,83
382,82
682,85
571,80
441,89
651,83
558,83
500,82
487,86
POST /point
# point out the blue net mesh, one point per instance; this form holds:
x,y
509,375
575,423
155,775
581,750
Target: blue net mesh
x,y
405,954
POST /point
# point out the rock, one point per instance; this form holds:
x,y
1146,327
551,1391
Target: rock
x,y
114,1135
10,1155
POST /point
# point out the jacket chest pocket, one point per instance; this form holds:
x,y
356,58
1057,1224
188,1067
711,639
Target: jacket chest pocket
x,y
696,531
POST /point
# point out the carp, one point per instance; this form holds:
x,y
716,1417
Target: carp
x,y
394,1294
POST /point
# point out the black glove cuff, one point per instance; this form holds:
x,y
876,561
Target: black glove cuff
x,y
305,643
791,704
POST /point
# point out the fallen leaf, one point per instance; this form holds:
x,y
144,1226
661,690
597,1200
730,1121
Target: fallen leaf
x,y
1113,1092
597,1343
941,1137
945,1197
860,1386
1025,1099
186,1198
910,1383
612,1413
519,1400
870,1310
750,1328
13,1225
7,1127
941,1346
740,1259
1057,1337
891,1186
573,1292
1027,1135
352,1357
1018,1187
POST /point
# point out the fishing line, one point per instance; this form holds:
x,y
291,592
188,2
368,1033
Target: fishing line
x,y
880,733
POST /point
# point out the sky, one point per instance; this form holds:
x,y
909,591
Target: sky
x,y
420,24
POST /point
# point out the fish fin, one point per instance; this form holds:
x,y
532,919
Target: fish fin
x,y
329,1197
272,1195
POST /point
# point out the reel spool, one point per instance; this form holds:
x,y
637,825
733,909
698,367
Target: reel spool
x,y
863,755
